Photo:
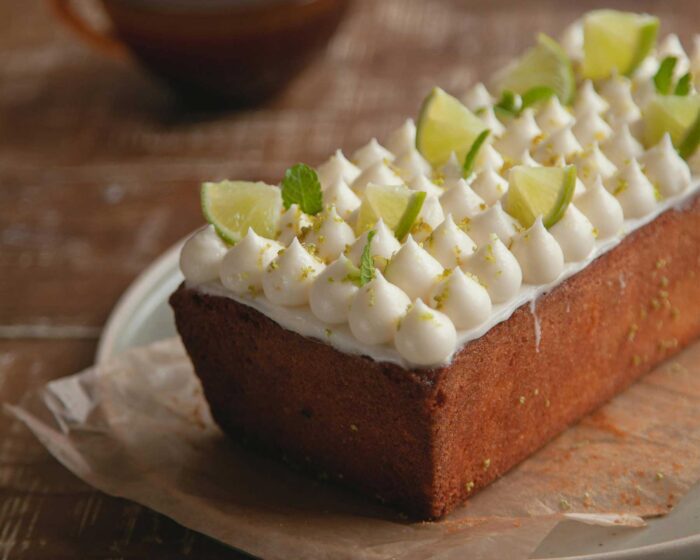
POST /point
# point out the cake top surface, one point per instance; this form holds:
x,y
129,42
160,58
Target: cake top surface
x,y
410,248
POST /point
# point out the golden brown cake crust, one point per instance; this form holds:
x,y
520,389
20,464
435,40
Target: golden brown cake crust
x,y
424,440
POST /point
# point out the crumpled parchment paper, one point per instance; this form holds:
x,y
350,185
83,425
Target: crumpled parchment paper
x,y
138,427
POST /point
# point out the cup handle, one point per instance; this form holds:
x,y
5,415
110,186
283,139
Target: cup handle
x,y
102,41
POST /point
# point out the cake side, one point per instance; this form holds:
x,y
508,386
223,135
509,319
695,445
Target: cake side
x,y
427,439
528,378
346,416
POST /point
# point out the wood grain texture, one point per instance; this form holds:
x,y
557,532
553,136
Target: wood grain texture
x,y
99,168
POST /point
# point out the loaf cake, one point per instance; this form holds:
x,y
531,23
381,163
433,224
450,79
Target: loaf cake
x,y
416,319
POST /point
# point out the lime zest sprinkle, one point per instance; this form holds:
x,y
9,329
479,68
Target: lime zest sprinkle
x,y
621,187
301,186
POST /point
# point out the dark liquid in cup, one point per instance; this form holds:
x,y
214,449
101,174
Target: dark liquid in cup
x,y
225,52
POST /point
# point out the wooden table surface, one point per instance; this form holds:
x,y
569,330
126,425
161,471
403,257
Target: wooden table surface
x,y
99,171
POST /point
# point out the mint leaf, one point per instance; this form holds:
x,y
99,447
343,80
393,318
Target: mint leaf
x,y
366,261
470,158
663,79
301,186
535,95
684,84
691,140
410,214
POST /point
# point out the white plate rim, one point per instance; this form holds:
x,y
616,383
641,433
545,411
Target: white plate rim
x,y
132,297
164,265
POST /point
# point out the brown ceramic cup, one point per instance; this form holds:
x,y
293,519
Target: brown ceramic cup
x,y
239,52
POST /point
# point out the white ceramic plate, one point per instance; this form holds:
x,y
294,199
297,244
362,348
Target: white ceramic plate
x,y
142,315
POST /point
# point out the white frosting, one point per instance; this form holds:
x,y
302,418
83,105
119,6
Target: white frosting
x,y
552,116
571,40
489,118
539,255
588,100
520,135
330,295
695,60
643,87
412,164
602,209
330,234
592,164
371,153
462,298
488,158
342,197
425,336
431,216
337,167
590,128
492,221
375,311
289,276
646,70
666,169
403,138
378,173
575,235
452,169
292,222
617,91
201,256
489,185
560,143
384,245
302,320
622,147
497,269
422,183
243,267
526,159
633,191
413,269
477,98
461,201
449,244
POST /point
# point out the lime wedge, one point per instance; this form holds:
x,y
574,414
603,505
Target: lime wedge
x,y
616,40
445,126
388,202
674,114
234,206
545,65
540,191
